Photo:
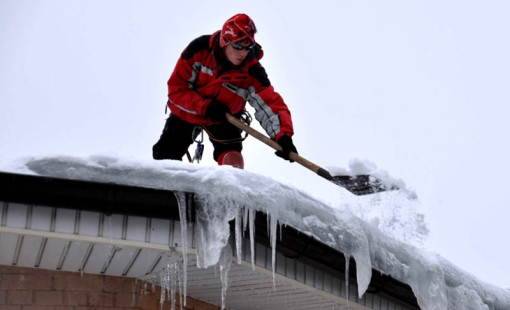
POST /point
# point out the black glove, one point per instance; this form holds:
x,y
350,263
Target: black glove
x,y
216,111
287,146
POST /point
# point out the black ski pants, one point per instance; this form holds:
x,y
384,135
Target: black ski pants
x,y
177,136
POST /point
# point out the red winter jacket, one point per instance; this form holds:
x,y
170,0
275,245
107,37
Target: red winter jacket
x,y
202,75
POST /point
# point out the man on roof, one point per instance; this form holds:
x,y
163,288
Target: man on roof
x,y
217,74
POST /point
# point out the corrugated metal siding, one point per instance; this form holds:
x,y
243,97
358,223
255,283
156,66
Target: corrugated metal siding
x,y
132,246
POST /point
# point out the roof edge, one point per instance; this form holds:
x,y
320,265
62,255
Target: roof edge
x,y
112,198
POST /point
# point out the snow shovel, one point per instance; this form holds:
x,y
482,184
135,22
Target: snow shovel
x,y
359,184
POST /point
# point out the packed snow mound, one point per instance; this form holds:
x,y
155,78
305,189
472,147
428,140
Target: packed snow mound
x,y
370,239
397,214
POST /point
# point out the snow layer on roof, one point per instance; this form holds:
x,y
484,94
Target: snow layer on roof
x,y
383,231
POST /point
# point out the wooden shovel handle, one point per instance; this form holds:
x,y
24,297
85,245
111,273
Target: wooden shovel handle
x,y
293,156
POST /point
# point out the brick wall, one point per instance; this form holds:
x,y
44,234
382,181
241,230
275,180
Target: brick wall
x,y
36,289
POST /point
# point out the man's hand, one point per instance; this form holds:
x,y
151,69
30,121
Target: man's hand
x,y
216,111
287,146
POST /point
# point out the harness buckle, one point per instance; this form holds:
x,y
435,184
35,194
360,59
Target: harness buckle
x,y
199,151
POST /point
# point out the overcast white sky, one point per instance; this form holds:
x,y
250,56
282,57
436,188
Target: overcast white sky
x,y
420,88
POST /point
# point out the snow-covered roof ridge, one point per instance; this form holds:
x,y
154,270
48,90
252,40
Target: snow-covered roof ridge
x,y
436,283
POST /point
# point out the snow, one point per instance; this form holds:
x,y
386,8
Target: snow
x,y
384,231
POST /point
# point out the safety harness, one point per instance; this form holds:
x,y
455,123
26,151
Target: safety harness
x,y
198,138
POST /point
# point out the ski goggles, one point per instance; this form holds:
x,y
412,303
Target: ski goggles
x,y
239,46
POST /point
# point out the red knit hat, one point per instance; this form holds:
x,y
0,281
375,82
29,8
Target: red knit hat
x,y
238,28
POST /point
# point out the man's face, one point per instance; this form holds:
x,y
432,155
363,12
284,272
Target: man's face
x,y
234,56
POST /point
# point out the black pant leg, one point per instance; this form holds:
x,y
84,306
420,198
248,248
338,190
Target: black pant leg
x,y
224,132
174,140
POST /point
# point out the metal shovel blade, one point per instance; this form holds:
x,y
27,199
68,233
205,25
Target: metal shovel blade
x,y
362,184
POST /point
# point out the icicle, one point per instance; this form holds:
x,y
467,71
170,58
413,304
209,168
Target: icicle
x,y
212,233
245,219
212,228
200,245
182,299
273,233
239,237
163,282
252,237
170,279
183,203
225,263
201,234
143,291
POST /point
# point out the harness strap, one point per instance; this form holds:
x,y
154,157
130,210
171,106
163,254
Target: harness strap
x,y
245,118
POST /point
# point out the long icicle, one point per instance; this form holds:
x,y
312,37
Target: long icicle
x,y
252,237
239,234
273,233
225,263
183,201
